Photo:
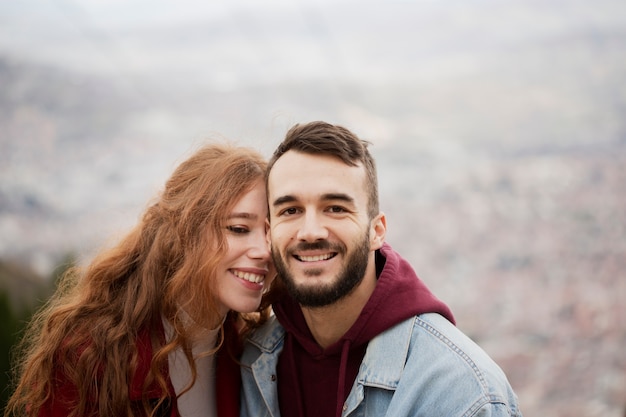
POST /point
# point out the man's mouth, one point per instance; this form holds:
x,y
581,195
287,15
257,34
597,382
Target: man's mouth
x,y
315,258
248,276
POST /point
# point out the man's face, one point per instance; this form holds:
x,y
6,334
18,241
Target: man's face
x,y
321,234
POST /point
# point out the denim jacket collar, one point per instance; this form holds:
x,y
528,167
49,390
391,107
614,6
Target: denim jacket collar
x,y
382,365
268,338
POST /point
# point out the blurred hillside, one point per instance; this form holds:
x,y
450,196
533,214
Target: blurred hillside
x,y
530,252
499,132
22,291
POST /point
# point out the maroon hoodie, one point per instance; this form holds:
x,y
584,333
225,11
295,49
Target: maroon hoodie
x,y
314,381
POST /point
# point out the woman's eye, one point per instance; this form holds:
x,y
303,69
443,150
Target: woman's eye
x,y
237,229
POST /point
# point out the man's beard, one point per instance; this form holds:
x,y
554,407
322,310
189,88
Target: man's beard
x,y
349,278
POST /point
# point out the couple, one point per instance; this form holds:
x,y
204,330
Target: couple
x,y
175,320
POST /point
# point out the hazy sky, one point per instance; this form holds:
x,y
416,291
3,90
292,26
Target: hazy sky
x,y
110,94
233,41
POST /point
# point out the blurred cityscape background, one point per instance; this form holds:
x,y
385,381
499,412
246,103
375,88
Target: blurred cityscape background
x,y
499,129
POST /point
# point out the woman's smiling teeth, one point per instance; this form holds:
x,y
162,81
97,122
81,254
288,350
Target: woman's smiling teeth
x,y
315,258
248,276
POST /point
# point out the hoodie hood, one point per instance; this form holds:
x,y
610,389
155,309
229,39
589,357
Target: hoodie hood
x,y
398,295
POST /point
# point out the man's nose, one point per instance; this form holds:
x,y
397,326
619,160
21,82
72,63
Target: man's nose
x,y
312,228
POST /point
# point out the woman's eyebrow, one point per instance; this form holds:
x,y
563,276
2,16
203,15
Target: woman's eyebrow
x,y
242,216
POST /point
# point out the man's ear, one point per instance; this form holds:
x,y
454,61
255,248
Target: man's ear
x,y
378,231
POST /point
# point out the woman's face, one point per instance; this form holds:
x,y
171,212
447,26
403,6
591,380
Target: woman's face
x,y
246,268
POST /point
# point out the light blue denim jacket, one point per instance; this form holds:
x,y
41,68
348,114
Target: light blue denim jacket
x,y
423,366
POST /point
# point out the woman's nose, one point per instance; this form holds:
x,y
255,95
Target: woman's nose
x,y
259,246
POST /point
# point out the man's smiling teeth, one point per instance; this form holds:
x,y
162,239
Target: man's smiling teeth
x,y
315,258
249,276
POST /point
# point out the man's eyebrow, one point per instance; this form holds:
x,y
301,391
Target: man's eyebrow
x,y
283,200
338,197
325,197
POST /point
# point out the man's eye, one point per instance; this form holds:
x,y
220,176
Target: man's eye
x,y
289,211
237,229
336,209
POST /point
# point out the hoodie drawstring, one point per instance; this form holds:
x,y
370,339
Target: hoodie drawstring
x,y
345,350
296,381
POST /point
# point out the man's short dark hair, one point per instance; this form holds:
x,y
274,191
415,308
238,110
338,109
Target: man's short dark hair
x,y
321,138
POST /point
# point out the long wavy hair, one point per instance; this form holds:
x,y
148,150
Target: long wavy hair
x,y
88,330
